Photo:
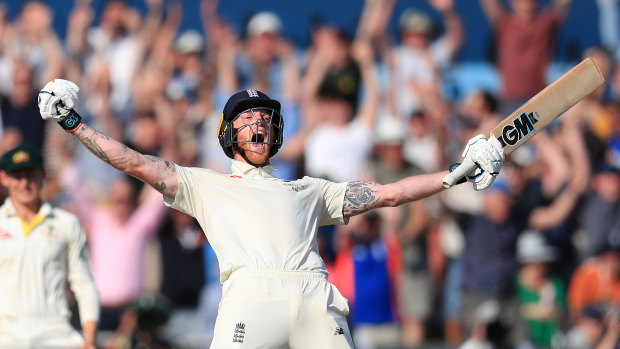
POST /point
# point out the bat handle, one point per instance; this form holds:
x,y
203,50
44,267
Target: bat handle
x,y
461,171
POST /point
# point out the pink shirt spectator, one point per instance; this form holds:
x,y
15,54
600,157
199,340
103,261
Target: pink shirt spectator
x,y
117,248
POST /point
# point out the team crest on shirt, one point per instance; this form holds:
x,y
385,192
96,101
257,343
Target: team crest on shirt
x,y
50,232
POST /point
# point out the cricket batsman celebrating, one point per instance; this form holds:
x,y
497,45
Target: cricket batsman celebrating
x,y
262,228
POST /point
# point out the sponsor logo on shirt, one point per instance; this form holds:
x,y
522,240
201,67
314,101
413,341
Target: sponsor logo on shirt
x,y
4,234
295,186
338,331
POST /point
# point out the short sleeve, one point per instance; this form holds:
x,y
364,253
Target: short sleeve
x,y
333,197
191,190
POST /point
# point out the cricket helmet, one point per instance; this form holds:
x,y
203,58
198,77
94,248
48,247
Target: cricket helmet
x,y
244,101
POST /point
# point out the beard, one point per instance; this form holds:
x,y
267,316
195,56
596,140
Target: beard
x,y
257,154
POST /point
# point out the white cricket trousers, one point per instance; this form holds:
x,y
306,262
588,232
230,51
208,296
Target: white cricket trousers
x,y
38,333
281,309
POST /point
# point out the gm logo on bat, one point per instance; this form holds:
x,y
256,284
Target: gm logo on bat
x,y
519,129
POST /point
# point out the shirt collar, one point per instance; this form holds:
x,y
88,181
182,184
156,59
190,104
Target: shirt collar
x,y
9,209
240,168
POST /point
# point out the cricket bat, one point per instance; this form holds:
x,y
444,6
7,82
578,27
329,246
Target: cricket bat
x,y
539,112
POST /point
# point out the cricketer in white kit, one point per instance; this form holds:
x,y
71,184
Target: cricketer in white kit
x,y
262,228
41,248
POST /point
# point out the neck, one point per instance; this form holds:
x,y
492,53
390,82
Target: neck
x,y
27,211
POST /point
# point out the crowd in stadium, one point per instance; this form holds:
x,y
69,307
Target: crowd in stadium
x,y
531,262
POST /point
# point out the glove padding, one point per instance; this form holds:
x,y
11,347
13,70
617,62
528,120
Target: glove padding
x,y
489,156
57,98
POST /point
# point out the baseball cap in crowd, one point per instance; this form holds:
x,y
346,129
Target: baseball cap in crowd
x,y
415,21
264,22
605,167
24,156
189,42
532,248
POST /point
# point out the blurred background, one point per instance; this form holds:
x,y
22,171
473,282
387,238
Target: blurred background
x,y
373,90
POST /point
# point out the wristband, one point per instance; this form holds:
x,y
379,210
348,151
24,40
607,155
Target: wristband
x,y
452,168
72,122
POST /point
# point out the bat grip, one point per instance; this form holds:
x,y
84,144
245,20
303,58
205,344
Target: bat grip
x,y
461,171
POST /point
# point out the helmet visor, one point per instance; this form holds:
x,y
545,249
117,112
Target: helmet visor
x,y
265,126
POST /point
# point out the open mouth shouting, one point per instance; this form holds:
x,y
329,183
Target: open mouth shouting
x,y
258,141
258,137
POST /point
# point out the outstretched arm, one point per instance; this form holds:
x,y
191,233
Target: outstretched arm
x,y
156,172
365,196
56,102
487,156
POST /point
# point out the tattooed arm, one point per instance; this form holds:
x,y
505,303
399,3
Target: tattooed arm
x,y
156,172
365,196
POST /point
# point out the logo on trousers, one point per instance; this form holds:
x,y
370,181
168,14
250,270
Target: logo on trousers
x,y
239,333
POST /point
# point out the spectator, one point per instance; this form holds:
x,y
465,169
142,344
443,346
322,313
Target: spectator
x,y
33,41
43,247
596,327
181,244
598,215
542,297
114,44
525,45
373,255
417,64
596,280
118,231
485,316
490,259
20,106
422,144
340,145
412,223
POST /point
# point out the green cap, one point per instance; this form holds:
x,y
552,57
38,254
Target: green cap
x,y
21,157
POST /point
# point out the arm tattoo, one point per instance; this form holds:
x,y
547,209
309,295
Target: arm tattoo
x,y
160,187
359,198
91,143
167,164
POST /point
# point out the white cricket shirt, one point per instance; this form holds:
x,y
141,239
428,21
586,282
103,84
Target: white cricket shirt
x,y
35,267
253,219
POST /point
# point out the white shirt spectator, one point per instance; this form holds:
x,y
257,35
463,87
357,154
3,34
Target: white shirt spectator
x,y
338,153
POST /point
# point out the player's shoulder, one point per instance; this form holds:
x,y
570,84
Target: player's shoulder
x,y
61,213
199,171
319,182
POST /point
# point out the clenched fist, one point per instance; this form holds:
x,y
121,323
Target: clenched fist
x,y
57,99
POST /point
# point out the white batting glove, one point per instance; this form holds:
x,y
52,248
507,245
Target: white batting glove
x,y
489,156
57,98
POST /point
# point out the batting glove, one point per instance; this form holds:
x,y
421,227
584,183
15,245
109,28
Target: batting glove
x,y
57,98
489,156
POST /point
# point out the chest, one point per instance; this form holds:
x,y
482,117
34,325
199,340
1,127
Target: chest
x,y
45,244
